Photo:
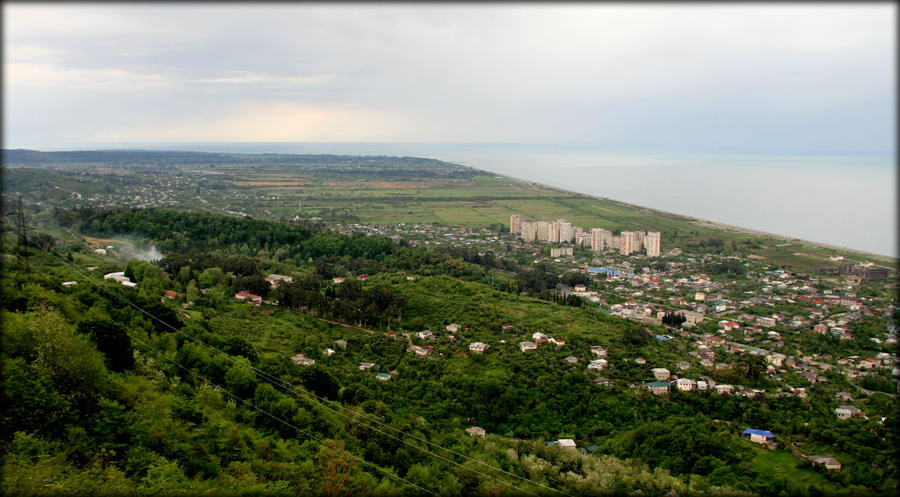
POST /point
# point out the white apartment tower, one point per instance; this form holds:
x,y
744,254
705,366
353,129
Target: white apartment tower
x,y
566,231
600,239
515,223
543,231
652,243
554,232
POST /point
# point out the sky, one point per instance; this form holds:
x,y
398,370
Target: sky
x,y
756,78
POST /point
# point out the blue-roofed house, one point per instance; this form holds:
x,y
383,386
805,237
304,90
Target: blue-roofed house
x,y
759,436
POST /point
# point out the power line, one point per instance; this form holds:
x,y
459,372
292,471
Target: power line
x,y
252,406
290,388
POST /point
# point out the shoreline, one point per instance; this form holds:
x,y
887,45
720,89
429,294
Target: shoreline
x,y
700,221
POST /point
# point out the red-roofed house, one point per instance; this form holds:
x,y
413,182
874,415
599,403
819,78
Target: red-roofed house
x,y
245,296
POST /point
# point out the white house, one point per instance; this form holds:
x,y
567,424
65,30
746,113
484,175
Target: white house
x,y
684,384
598,365
661,374
566,443
300,360
476,431
526,345
478,347
598,351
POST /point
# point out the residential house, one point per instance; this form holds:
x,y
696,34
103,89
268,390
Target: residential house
x,y
118,276
766,321
539,337
382,377
341,343
702,386
658,387
844,396
724,389
478,347
300,360
426,335
846,412
775,359
571,359
598,351
660,374
684,384
526,345
366,365
759,436
452,327
640,360
602,381
682,365
598,364
420,351
256,299
566,443
275,279
829,463
476,431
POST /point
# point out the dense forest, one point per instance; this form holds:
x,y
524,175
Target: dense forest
x,y
176,387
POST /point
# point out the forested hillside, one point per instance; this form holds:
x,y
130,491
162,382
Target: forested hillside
x,y
174,385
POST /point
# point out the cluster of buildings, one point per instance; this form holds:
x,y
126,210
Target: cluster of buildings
x,y
598,239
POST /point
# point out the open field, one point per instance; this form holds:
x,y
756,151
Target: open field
x,y
387,191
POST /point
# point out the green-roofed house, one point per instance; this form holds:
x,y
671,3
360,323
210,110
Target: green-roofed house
x,y
658,387
382,377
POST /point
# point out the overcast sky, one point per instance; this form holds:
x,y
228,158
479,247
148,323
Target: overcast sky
x,y
753,77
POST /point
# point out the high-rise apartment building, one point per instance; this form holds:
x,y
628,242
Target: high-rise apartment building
x,y
600,239
652,243
553,235
542,231
583,239
528,230
566,232
515,223
627,243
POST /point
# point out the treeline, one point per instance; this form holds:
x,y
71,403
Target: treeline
x,y
348,302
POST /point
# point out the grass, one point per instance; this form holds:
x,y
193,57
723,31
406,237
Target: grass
x,y
781,464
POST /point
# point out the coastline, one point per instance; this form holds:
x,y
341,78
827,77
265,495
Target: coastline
x,y
893,261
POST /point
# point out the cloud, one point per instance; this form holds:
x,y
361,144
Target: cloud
x,y
642,75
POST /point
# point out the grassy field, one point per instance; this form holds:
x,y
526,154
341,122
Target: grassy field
x,y
782,464
410,194
485,199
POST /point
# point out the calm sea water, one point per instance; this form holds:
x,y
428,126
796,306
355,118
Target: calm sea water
x,y
848,201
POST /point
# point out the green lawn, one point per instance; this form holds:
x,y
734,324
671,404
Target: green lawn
x,y
781,464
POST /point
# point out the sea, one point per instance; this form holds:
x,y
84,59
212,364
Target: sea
x,y
848,201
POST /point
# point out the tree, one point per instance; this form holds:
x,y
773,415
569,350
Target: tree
x,y
110,339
